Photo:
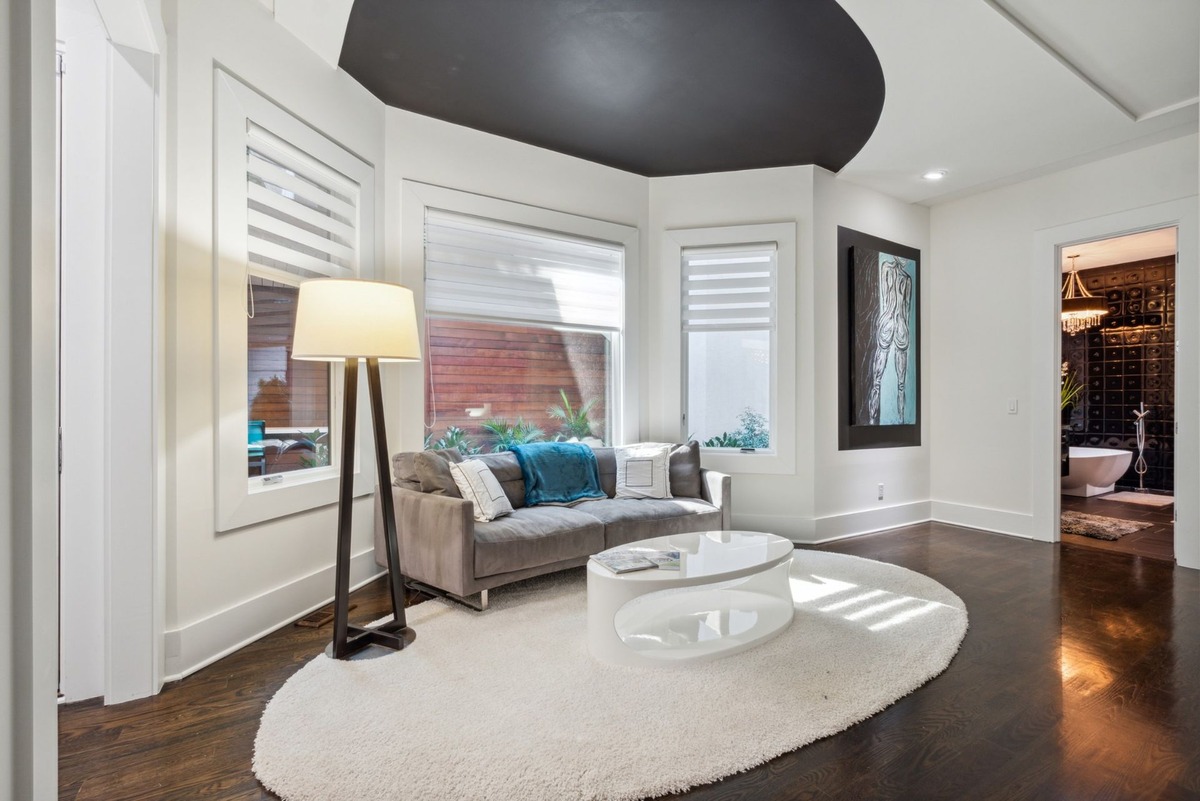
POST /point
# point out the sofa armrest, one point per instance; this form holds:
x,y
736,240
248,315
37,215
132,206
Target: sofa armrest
x,y
436,539
717,489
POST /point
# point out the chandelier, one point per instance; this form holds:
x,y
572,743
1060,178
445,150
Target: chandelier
x,y
1080,308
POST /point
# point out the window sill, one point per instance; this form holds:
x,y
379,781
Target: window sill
x,y
759,462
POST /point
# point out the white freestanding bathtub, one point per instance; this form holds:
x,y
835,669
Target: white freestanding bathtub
x,y
1094,471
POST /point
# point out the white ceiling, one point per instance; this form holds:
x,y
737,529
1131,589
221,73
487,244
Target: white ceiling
x,y
972,92
1144,62
1121,249
992,91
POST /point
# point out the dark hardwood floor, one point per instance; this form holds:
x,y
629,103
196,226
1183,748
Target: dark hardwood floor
x,y
1078,679
1157,541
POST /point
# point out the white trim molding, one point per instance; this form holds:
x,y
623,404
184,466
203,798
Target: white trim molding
x,y
202,642
814,531
997,521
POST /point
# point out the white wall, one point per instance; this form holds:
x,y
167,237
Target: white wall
x,y
846,482
434,152
782,503
228,588
980,321
28,491
830,493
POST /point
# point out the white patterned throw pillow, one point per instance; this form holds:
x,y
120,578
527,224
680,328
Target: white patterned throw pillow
x,y
479,486
643,471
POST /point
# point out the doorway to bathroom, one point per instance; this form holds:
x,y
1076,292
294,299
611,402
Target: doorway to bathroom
x,y
1118,430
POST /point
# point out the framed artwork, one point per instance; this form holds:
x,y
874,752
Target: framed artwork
x,y
879,328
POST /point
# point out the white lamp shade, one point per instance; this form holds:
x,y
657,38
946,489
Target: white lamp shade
x,y
338,318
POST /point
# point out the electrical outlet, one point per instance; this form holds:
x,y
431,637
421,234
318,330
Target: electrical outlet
x,y
881,492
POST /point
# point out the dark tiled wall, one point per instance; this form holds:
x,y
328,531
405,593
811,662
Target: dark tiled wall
x,y
1129,359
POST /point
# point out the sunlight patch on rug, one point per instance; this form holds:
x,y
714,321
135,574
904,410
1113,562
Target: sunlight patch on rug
x,y
510,704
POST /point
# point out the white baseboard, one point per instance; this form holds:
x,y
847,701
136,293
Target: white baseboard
x,y
868,521
810,531
796,529
997,520
199,644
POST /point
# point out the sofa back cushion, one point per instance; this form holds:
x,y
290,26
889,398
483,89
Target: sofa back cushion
x,y
507,470
606,461
404,470
433,471
685,471
684,467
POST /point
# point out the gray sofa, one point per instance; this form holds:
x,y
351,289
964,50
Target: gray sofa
x,y
444,549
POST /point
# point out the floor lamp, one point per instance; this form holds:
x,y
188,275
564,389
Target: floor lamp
x,y
346,319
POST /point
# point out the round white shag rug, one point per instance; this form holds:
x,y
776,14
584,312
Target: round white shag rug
x,y
509,703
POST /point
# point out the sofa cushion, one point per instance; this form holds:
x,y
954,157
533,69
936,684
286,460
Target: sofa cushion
x,y
685,471
535,535
507,470
433,471
629,520
642,471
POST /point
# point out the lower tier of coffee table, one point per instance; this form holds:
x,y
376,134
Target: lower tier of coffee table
x,y
647,624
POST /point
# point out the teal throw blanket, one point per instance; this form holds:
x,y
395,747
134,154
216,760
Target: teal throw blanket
x,y
559,472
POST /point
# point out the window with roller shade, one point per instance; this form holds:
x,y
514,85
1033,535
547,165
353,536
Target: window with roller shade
x,y
301,218
291,205
523,328
729,313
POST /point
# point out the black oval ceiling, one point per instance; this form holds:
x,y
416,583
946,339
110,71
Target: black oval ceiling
x,y
656,87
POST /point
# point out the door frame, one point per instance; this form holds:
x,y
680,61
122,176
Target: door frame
x,y
1046,348
113,536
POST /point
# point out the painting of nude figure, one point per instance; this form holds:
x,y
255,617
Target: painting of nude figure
x,y
884,314
879,393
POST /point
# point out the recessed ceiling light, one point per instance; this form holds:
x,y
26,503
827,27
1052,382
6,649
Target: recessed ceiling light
x,y
934,175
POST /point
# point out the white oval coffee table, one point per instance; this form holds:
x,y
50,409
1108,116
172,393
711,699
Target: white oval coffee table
x,y
731,592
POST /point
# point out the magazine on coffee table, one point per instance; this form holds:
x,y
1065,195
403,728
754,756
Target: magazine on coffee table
x,y
665,560
626,561
623,561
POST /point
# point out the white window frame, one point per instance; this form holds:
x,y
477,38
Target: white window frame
x,y
241,499
780,458
418,197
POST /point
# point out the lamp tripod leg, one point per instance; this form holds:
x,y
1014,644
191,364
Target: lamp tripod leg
x,y
395,634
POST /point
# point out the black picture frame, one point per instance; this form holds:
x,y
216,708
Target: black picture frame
x,y
879,376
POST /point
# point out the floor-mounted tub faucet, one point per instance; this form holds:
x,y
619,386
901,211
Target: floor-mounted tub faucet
x,y
1139,428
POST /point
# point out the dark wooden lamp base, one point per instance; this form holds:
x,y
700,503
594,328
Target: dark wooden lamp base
x,y
394,634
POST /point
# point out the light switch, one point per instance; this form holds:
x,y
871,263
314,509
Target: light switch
x,y
1012,405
